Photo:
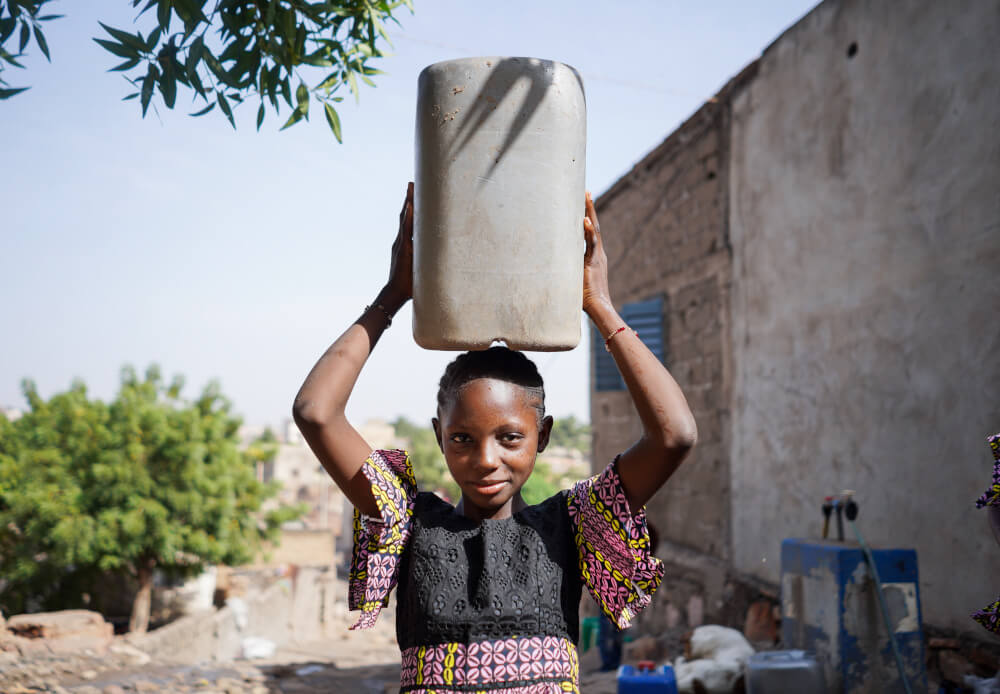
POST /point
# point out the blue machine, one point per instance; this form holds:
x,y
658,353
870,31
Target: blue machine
x,y
646,680
830,606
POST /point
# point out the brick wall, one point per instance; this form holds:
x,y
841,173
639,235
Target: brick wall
x,y
665,231
665,228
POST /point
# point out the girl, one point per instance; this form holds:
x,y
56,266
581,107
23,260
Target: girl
x,y
489,589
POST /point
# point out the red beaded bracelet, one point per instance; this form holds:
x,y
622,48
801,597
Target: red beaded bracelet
x,y
607,342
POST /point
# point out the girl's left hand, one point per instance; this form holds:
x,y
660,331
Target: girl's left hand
x,y
595,263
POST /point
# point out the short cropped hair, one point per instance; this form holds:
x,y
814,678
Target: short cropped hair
x,y
501,363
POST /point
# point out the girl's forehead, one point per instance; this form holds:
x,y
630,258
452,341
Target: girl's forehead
x,y
482,396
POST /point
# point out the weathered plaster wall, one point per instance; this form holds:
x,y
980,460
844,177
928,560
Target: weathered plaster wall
x,y
864,217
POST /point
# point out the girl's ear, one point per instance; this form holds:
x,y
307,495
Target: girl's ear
x,y
544,432
437,432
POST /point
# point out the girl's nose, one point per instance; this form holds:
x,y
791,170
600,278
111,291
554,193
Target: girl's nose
x,y
489,458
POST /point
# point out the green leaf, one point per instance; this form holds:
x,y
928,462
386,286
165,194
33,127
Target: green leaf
x,y
7,93
168,88
7,26
9,58
50,17
133,95
302,97
25,35
163,14
327,84
286,91
153,39
293,119
224,105
334,120
117,49
203,111
147,88
127,65
260,115
42,43
126,39
195,54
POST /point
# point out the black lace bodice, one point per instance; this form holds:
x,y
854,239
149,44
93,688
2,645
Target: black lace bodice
x,y
463,581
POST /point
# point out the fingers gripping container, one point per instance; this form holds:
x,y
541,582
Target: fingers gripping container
x,y
499,205
777,672
644,679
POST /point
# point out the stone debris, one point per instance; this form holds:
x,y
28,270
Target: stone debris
x,y
67,631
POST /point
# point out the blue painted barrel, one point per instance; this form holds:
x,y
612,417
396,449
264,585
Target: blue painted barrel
x,y
632,680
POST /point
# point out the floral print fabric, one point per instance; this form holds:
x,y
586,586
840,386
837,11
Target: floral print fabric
x,y
520,665
991,497
379,544
613,546
989,616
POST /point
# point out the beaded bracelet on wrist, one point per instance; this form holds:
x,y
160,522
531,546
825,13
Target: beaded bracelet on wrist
x,y
383,309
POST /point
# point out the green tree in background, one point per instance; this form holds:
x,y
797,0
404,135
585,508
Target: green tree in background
x,y
540,486
147,481
568,432
429,466
227,52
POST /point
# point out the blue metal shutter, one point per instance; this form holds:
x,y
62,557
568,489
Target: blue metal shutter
x,y
606,376
646,318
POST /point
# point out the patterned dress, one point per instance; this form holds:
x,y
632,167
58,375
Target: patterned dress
x,y
989,616
493,606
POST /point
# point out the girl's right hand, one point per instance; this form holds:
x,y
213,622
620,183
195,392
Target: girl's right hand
x,y
400,284
596,295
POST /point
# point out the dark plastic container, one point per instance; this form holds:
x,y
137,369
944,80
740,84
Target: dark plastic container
x,y
645,679
784,672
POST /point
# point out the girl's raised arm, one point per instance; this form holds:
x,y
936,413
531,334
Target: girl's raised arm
x,y
319,405
668,427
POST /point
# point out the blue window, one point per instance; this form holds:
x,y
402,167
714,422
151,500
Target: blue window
x,y
646,318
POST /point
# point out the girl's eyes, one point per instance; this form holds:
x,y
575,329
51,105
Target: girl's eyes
x,y
509,439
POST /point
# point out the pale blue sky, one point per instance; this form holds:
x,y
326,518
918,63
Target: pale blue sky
x,y
239,256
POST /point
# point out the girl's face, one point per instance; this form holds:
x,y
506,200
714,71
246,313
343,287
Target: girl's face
x,y
490,435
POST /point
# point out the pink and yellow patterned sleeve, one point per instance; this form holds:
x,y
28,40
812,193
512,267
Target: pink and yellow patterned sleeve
x,y
616,562
379,544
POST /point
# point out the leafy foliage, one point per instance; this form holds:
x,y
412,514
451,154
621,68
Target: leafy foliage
x,y
89,488
22,18
540,485
429,466
236,50
568,432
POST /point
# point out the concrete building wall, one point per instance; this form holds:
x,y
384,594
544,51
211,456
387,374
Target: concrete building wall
x,y
826,235
864,218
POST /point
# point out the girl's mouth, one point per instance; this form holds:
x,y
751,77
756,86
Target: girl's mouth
x,y
489,488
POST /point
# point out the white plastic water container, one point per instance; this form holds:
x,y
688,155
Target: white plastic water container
x,y
499,205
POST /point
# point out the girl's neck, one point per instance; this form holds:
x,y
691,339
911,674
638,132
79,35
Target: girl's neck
x,y
477,514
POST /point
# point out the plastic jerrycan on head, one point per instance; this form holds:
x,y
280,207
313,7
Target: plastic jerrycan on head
x,y
499,205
